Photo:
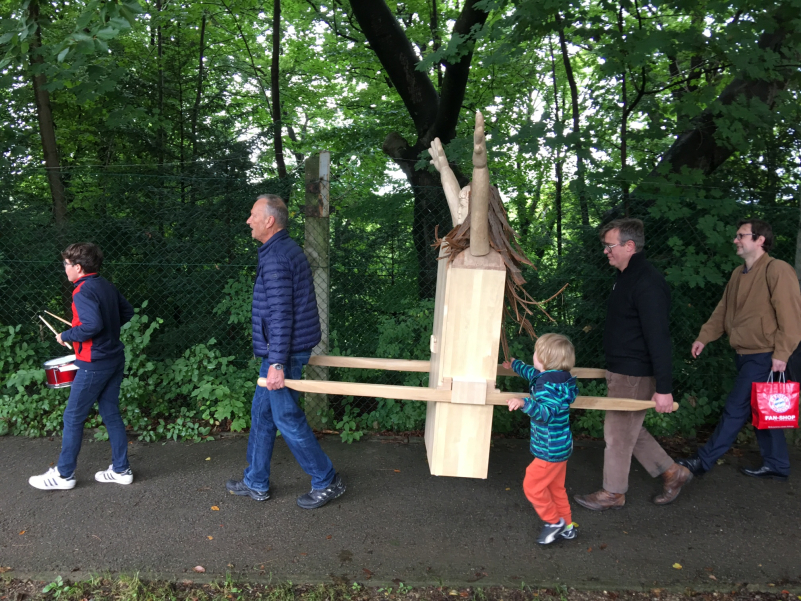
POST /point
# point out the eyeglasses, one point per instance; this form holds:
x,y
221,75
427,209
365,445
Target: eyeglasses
x,y
610,246
740,236
67,263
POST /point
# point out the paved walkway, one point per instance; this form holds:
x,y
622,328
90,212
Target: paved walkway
x,y
395,523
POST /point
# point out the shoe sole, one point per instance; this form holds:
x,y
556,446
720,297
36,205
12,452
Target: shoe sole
x,y
245,493
51,487
104,481
777,478
599,508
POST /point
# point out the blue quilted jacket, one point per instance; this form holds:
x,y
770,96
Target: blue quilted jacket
x,y
284,314
552,393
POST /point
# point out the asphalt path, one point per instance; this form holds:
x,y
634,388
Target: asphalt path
x,y
396,522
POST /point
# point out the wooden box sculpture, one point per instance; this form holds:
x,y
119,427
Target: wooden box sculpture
x,y
468,312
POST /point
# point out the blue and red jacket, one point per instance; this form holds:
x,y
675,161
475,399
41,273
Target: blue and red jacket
x,y
98,313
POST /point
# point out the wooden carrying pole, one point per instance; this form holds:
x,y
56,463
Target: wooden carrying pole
x,y
415,393
422,366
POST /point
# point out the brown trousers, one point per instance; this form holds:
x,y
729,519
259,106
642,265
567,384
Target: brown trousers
x,y
625,435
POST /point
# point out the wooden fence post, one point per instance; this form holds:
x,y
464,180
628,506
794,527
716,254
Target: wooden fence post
x,y
317,247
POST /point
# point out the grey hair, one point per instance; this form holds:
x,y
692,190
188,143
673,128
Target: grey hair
x,y
630,229
274,206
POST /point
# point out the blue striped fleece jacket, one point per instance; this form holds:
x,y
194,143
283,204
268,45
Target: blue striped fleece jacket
x,y
553,392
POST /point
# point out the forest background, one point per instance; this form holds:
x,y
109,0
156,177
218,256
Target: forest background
x,y
150,127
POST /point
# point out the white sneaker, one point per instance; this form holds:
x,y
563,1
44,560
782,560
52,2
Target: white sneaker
x,y
110,475
52,480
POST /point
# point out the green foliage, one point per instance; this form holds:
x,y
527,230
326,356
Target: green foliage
x,y
58,588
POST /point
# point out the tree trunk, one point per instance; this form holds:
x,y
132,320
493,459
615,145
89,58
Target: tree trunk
x,y
624,122
275,90
434,114
198,94
160,54
578,146
434,24
47,128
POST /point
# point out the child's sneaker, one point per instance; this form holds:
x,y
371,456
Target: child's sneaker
x,y
52,480
569,533
550,532
110,475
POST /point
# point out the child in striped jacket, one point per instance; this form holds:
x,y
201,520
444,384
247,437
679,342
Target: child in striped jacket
x,y
552,390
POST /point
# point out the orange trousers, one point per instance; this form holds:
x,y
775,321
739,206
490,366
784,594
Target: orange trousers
x,y
544,486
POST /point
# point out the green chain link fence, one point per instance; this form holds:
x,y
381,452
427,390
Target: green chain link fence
x,y
178,247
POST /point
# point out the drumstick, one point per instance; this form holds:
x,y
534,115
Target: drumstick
x,y
52,329
58,318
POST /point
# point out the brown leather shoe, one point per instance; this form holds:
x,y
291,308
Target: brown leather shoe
x,y
601,500
673,479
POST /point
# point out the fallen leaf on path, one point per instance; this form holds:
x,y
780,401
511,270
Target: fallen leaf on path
x,y
712,577
589,549
396,471
464,594
215,508
677,566
367,573
23,532
329,537
210,537
602,546
199,569
4,570
453,593
208,458
785,592
508,489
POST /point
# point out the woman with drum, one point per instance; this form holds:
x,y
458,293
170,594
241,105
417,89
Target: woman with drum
x,y
98,313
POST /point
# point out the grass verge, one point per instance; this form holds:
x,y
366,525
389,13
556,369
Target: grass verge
x,y
131,588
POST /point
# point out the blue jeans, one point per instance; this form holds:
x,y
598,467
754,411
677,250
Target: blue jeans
x,y
278,410
737,412
103,386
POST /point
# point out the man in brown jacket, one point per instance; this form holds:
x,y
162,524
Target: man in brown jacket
x,y
760,312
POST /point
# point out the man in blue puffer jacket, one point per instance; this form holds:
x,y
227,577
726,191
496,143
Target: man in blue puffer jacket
x,y
286,327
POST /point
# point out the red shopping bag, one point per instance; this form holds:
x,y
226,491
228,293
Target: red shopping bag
x,y
774,404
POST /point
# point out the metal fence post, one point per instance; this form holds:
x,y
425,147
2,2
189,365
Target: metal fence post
x,y
317,250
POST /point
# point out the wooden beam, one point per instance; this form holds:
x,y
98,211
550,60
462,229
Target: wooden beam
x,y
370,363
421,366
381,391
415,393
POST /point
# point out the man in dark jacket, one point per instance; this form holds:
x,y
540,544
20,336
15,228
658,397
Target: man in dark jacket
x,y
286,327
638,361
98,313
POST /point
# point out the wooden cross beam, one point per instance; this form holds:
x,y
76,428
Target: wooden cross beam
x,y
416,393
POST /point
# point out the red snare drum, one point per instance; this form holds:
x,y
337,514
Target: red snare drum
x,y
60,372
